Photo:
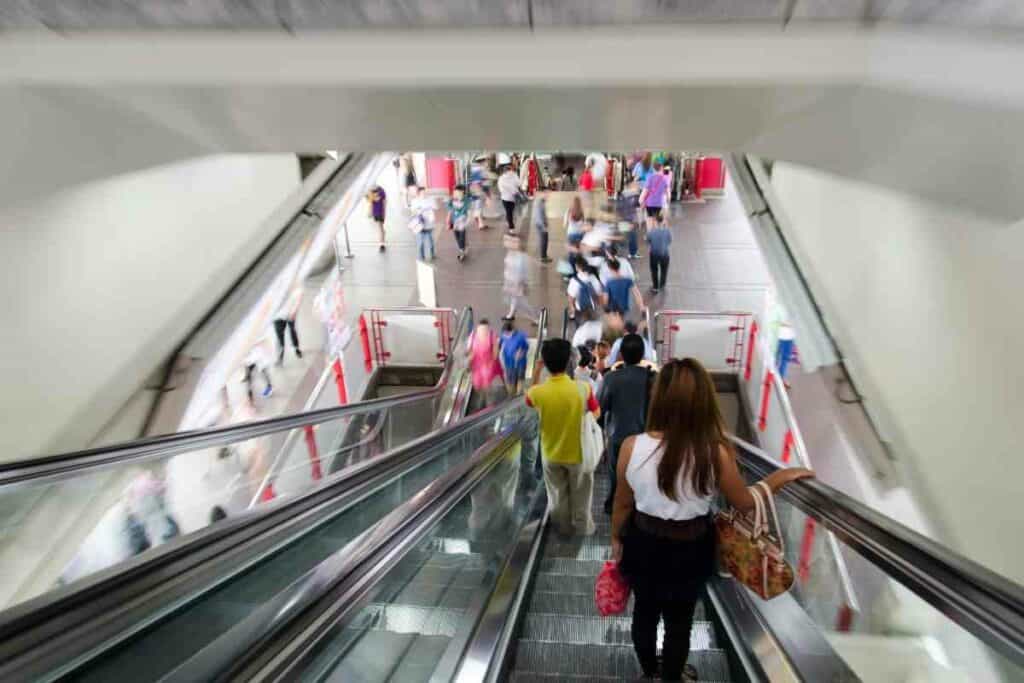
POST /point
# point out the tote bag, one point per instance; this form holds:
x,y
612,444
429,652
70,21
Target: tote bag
x,y
750,551
591,439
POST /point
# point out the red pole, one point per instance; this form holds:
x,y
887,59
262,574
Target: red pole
x,y
766,394
787,446
750,350
804,563
364,338
339,379
314,453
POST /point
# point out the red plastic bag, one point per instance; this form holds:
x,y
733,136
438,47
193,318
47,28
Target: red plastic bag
x,y
611,591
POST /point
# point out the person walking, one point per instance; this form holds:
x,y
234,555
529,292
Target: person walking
x,y
584,291
662,534
517,273
458,217
421,222
514,347
621,290
285,320
623,399
539,220
573,222
508,189
378,204
659,239
560,403
653,196
484,365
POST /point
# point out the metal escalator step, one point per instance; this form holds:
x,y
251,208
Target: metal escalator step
x,y
531,677
578,548
561,660
601,631
569,567
562,604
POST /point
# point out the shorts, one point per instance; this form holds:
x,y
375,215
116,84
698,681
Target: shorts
x,y
515,374
575,238
653,211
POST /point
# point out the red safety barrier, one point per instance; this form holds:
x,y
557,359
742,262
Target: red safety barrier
x,y
314,452
364,338
804,564
844,619
339,379
267,494
766,395
787,446
750,351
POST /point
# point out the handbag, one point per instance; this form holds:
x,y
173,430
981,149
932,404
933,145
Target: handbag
x,y
749,551
611,590
591,439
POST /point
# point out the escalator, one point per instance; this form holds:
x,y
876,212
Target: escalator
x,y
466,583
192,588
436,565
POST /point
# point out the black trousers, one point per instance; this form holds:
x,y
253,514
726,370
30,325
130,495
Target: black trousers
x,y
613,466
659,270
279,327
543,235
460,239
510,214
668,578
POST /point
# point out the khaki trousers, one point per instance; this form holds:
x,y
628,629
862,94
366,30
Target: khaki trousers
x,y
569,492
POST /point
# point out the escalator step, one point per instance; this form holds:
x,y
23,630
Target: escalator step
x,y
569,567
574,595
579,548
618,661
601,631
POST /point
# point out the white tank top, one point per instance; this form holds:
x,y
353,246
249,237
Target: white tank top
x,y
642,475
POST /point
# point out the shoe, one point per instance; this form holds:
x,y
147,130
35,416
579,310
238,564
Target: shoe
x,y
508,318
298,353
267,391
654,290
382,247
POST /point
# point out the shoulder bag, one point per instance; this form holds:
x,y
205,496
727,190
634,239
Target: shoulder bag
x,y
591,440
750,551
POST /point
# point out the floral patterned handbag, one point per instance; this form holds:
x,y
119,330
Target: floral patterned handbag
x,y
749,551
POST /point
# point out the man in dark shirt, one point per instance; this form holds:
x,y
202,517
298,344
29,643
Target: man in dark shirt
x,y
624,397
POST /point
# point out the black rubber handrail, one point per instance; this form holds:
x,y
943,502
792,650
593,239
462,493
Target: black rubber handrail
x,y
984,603
75,463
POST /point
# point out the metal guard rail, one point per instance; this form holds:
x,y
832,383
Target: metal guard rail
x,y
988,605
72,464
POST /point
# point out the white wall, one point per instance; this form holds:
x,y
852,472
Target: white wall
x,y
103,280
924,303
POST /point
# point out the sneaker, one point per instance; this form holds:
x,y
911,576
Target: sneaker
x,y
267,391
298,353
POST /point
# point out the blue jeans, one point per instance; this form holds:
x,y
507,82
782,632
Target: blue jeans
x,y
633,242
425,238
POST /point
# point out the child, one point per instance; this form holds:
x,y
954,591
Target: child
x,y
458,217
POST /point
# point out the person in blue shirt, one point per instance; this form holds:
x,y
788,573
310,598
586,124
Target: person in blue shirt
x,y
660,239
514,347
620,289
631,328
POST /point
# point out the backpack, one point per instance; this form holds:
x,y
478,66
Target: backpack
x,y
585,299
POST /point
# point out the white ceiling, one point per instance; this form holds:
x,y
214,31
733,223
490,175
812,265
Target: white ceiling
x,y
935,114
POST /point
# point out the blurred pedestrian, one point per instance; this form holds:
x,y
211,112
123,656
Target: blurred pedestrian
x,y
458,217
509,190
539,219
517,272
421,222
378,204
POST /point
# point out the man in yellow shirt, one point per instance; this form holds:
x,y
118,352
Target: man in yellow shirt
x,y
560,402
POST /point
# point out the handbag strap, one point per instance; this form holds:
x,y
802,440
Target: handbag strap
x,y
775,514
760,520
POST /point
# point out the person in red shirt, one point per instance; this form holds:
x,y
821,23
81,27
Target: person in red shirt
x,y
587,178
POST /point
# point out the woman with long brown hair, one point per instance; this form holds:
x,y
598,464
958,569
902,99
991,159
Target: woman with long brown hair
x,y
662,534
573,222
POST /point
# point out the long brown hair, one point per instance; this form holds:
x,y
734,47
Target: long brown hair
x,y
684,408
576,209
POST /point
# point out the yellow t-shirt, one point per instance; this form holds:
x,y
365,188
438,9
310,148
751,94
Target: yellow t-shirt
x,y
560,405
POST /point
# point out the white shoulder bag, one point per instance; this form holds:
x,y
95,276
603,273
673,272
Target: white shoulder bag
x,y
591,438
